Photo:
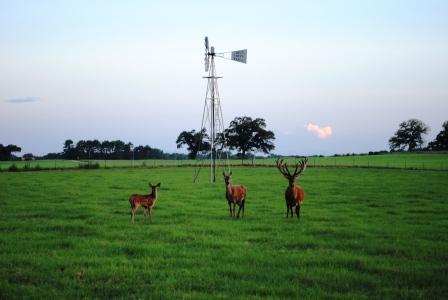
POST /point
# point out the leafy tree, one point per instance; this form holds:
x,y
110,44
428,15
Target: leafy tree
x,y
106,148
81,149
409,135
6,151
96,148
441,141
195,141
246,134
68,144
2,153
13,148
69,151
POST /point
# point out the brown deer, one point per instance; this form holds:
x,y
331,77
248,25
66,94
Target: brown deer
x,y
145,201
294,194
235,194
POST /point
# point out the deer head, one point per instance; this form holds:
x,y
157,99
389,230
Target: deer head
x,y
154,187
227,178
283,168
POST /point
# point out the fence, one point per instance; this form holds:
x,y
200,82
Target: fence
x,y
430,162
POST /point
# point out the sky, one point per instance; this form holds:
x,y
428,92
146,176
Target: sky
x,y
327,76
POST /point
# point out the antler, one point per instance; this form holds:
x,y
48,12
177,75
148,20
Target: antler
x,y
300,166
283,168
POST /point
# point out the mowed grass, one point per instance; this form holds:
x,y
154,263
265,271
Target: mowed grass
x,y
364,233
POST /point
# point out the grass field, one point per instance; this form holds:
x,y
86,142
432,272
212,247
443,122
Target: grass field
x,y
419,160
364,233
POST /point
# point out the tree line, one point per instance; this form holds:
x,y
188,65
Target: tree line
x,y
244,135
409,137
117,149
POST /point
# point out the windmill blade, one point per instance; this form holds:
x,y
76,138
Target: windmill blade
x,y
240,56
206,44
206,62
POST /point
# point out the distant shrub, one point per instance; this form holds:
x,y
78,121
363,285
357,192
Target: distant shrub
x,y
144,164
89,166
13,168
380,152
37,168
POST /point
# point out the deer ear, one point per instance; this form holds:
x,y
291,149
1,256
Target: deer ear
x,y
158,185
230,173
149,184
223,174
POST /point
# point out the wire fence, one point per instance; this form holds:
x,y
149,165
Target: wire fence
x,y
386,162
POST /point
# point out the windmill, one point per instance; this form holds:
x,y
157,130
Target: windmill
x,y
212,120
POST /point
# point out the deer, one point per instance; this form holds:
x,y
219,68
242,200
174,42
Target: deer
x,y
235,194
145,201
294,194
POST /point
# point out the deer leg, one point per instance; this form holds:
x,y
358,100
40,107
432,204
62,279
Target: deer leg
x,y
244,203
145,213
298,211
239,209
230,208
150,219
233,213
288,208
132,215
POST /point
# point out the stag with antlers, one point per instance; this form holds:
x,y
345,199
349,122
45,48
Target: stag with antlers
x,y
294,194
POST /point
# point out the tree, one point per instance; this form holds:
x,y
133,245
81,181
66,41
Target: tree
x,y
245,134
69,151
106,148
5,151
195,141
441,141
409,135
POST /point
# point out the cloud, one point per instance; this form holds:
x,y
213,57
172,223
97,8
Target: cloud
x,y
22,100
321,132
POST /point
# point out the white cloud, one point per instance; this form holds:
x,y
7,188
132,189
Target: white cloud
x,y
321,132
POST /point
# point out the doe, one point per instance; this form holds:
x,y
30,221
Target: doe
x,y
145,201
235,194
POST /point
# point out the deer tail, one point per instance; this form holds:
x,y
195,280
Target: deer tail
x,y
130,201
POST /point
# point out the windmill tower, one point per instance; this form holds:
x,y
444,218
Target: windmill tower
x,y
212,120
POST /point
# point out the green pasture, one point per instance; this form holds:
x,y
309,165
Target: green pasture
x,y
364,233
419,160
